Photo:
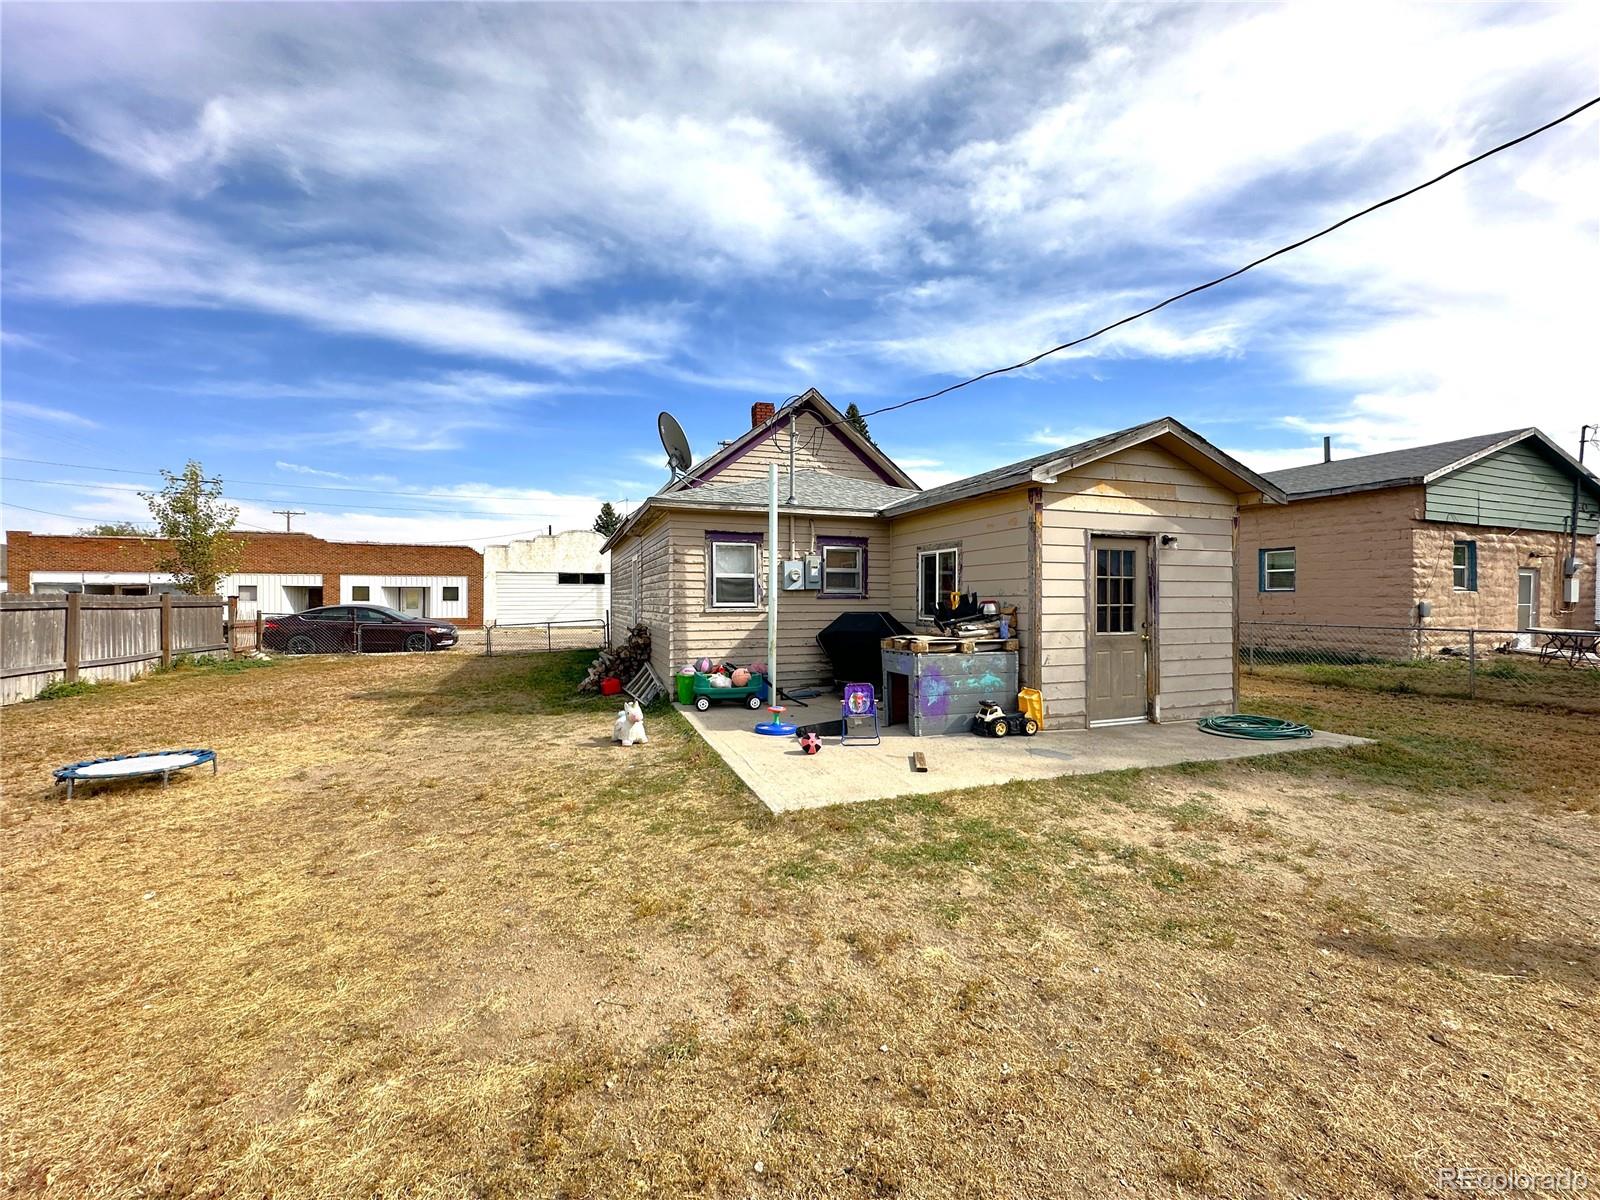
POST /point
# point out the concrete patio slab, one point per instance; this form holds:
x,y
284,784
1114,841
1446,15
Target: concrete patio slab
x,y
785,779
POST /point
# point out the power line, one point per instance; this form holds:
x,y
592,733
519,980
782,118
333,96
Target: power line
x,y
1371,208
288,515
272,483
45,512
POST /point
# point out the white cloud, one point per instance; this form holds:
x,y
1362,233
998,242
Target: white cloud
x,y
41,412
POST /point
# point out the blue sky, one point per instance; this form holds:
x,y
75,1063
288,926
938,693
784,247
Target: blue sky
x,y
459,257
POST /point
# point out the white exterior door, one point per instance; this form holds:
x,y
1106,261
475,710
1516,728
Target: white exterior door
x,y
413,601
1527,606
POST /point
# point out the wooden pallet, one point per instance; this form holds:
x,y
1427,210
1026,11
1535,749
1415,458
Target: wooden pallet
x,y
917,643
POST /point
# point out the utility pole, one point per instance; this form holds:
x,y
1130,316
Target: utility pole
x,y
1570,567
288,515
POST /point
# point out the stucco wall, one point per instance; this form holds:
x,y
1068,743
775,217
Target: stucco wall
x,y
1352,558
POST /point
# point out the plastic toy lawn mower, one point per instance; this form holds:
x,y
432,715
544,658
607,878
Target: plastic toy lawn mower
x,y
706,693
997,722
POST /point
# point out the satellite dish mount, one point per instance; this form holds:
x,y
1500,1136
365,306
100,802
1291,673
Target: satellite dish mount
x,y
675,444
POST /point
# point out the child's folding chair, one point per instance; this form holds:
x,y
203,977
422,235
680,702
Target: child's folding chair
x,y
860,704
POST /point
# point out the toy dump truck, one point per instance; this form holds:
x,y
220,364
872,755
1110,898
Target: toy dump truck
x,y
997,722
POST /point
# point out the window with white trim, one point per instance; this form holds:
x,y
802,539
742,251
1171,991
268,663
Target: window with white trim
x,y
1464,566
361,591
938,574
450,593
247,591
734,568
1278,570
844,570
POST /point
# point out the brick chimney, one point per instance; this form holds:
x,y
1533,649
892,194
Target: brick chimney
x,y
761,412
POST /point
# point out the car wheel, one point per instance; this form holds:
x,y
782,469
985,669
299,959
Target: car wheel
x,y
1030,727
702,703
998,727
417,642
300,644
755,703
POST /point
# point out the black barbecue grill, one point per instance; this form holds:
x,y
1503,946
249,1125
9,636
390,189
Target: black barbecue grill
x,y
852,643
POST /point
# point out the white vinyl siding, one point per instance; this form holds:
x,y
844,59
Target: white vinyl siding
x,y
385,590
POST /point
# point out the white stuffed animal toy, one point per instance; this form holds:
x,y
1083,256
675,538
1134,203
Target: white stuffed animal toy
x,y
630,725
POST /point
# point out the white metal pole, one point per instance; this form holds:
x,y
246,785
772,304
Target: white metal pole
x,y
772,583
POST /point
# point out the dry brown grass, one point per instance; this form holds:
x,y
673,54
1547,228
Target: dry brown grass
x,y
430,934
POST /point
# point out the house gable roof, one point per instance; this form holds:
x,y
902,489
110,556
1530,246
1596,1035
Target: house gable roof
x,y
1415,465
1047,467
703,472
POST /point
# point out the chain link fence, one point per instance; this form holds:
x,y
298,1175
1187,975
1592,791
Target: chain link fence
x,y
1557,668
546,636
311,633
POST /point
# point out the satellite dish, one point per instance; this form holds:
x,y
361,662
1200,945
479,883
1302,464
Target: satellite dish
x,y
674,443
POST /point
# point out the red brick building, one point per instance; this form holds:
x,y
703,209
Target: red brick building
x,y
280,572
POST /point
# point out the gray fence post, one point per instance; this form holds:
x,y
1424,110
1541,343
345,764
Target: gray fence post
x,y
488,640
74,640
549,645
1472,664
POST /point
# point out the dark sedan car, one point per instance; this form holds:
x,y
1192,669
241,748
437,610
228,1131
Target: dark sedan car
x,y
355,628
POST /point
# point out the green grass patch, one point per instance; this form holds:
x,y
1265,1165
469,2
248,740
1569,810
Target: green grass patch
x,y
62,690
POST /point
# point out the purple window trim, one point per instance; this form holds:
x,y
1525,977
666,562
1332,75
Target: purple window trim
x,y
824,540
747,539
707,475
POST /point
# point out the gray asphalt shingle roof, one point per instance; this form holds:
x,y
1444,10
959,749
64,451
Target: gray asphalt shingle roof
x,y
812,489
1395,468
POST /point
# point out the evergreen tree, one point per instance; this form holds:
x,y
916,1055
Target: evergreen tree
x,y
609,520
853,416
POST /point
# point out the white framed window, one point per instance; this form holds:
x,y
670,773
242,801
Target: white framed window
x,y
361,591
247,591
450,593
938,574
1464,566
734,570
844,567
1278,569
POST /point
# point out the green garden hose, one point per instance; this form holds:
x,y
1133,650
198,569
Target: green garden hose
x,y
1247,725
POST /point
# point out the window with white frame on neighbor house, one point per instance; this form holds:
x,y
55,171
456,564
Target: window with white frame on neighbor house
x,y
938,574
449,593
734,568
1464,566
1278,569
247,591
844,568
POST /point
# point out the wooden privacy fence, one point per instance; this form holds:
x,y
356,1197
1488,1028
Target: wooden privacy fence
x,y
71,636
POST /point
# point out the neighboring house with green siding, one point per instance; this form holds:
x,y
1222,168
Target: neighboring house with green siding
x,y
1480,529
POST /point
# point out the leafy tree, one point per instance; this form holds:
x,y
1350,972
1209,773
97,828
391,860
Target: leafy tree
x,y
853,417
115,529
609,520
197,526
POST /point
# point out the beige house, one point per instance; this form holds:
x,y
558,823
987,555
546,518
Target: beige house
x,y
1119,554
1480,530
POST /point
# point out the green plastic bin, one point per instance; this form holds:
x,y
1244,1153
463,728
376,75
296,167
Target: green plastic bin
x,y
685,689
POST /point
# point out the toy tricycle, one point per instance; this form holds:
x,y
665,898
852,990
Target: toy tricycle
x,y
749,695
996,722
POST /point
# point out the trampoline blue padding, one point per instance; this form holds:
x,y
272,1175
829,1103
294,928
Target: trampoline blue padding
x,y
133,766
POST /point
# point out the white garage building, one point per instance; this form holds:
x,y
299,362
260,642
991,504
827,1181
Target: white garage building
x,y
560,577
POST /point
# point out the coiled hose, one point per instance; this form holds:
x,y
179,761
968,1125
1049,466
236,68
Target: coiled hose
x,y
1247,725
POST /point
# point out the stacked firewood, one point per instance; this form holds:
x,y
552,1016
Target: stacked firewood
x,y
624,661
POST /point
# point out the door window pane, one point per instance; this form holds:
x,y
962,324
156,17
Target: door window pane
x,y
1114,597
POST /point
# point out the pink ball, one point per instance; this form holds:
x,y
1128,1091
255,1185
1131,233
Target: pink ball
x,y
741,678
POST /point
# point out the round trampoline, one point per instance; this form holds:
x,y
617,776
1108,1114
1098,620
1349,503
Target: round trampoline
x,y
133,766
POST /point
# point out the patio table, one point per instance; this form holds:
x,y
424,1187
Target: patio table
x,y
1575,647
